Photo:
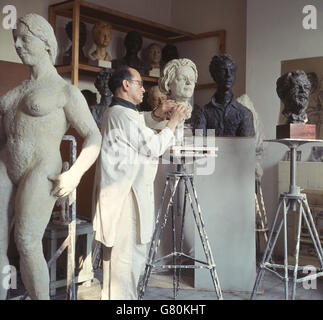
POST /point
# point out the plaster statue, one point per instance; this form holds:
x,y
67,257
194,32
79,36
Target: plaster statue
x,y
294,88
67,57
259,135
177,81
223,113
169,52
153,56
101,34
133,44
35,116
101,84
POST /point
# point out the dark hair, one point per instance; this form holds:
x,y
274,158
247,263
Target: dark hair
x,y
122,73
218,60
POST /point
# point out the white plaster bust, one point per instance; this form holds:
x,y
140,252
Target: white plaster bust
x,y
177,81
102,34
35,116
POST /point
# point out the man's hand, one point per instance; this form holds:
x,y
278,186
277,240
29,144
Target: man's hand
x,y
165,109
179,114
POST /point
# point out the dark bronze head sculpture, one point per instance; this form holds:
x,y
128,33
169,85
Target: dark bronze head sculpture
x,y
223,70
223,113
101,84
82,40
133,44
293,88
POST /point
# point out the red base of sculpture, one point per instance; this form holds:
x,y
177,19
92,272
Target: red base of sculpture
x,y
296,131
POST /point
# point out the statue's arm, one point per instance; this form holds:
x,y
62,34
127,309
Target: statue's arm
x,y
79,116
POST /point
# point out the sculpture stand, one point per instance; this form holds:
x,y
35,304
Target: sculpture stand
x,y
261,217
173,182
289,201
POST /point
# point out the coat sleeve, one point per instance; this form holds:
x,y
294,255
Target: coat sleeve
x,y
135,134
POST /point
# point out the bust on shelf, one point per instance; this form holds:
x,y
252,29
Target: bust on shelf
x,y
293,88
67,57
133,44
102,34
153,57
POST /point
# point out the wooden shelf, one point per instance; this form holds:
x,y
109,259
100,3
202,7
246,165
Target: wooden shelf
x,y
93,70
120,21
88,12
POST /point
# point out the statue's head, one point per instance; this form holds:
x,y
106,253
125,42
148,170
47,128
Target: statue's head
x,y
223,70
133,42
178,79
102,33
39,30
153,54
82,35
169,52
294,89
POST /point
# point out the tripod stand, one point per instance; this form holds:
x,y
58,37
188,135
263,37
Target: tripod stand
x,y
290,201
178,177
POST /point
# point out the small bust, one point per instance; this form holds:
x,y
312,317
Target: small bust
x,y
294,88
153,58
67,57
169,52
101,84
102,34
133,44
155,97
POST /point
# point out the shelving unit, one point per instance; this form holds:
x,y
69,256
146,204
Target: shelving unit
x,y
91,13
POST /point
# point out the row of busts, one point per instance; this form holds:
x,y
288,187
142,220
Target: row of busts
x,y
154,57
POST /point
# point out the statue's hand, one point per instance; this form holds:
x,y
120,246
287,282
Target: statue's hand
x,y
64,184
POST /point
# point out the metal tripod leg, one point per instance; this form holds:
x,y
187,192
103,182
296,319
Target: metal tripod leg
x,y
204,239
156,240
313,232
181,239
269,249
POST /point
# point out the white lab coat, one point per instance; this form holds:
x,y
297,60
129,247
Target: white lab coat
x,y
128,159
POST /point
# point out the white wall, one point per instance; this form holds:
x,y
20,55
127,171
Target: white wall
x,y
274,34
211,15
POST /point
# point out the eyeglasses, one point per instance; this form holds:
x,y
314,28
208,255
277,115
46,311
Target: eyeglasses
x,y
139,82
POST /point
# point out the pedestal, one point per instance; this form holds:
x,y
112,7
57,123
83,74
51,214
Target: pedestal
x,y
296,131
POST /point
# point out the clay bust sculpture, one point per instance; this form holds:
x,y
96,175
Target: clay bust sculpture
x,y
35,116
102,34
67,58
223,113
101,84
177,81
153,56
294,88
133,44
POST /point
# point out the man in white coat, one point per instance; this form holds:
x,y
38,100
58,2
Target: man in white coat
x,y
124,196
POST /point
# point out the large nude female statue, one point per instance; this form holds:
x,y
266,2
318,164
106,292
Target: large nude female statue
x,y
33,119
